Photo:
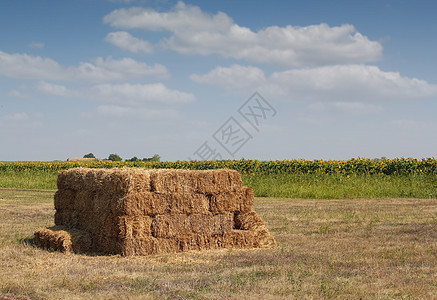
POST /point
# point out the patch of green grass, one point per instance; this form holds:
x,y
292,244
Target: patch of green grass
x,y
33,179
304,186
337,186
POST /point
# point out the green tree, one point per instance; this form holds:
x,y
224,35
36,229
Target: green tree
x,y
155,157
133,159
89,155
114,157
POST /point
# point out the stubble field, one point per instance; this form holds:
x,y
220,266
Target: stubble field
x,y
343,249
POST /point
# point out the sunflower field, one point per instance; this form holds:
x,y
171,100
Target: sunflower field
x,y
298,178
351,167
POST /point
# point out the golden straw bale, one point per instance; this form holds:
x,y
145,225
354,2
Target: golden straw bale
x,y
170,226
138,211
241,199
218,180
73,178
134,246
105,203
124,180
248,220
108,225
201,242
172,181
192,181
67,217
64,199
173,226
136,227
84,200
263,238
63,239
107,244
116,180
152,203
83,159
149,245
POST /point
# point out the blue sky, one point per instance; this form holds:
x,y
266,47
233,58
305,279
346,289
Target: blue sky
x,y
335,79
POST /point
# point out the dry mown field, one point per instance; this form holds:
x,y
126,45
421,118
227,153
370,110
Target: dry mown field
x,y
347,249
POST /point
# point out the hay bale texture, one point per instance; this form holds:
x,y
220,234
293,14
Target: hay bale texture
x,y
139,211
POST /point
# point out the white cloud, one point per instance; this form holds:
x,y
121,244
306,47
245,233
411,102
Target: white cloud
x,y
137,94
23,66
17,94
341,83
115,111
347,108
21,120
248,77
196,32
132,68
37,45
125,41
55,89
125,94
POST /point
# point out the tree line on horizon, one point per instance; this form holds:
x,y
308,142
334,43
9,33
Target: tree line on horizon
x,y
116,157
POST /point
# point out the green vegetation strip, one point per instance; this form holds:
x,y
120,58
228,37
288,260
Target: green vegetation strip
x,y
318,179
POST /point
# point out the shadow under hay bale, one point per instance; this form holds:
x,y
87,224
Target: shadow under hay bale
x,y
63,239
139,211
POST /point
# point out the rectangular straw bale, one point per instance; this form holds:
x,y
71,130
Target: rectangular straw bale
x,y
105,203
211,225
124,180
174,226
240,239
84,200
134,246
172,181
113,226
139,180
94,223
67,217
64,199
148,246
100,224
84,220
200,242
107,244
72,178
136,227
232,239
218,180
193,242
192,181
114,181
94,179
248,220
170,226
263,238
240,200
63,239
151,203
254,238
183,203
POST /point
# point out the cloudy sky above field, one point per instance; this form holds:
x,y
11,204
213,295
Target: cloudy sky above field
x,y
334,79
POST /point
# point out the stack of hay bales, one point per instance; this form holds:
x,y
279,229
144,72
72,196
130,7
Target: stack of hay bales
x,y
138,211
86,159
